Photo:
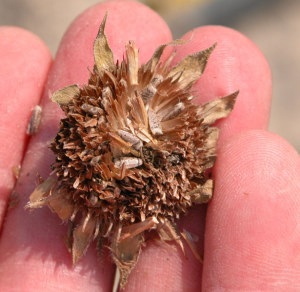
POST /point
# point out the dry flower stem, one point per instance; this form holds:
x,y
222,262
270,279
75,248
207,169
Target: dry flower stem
x,y
132,153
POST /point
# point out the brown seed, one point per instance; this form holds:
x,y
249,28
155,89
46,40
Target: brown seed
x,y
128,162
154,123
128,137
35,120
148,92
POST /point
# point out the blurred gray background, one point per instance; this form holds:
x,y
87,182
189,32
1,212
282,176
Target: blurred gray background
x,y
274,25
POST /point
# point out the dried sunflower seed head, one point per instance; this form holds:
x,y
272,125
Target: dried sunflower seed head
x,y
132,151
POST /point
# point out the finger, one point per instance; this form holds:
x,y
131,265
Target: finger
x,y
37,238
235,64
252,233
22,78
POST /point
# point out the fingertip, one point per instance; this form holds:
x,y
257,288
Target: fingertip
x,y
252,231
18,40
259,155
25,61
235,64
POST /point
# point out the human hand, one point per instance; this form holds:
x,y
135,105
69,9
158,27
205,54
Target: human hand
x,y
251,233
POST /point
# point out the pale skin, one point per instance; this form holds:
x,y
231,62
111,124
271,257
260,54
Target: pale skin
x,y
251,240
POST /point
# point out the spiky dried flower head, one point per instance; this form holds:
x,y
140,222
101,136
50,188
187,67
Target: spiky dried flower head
x,y
132,151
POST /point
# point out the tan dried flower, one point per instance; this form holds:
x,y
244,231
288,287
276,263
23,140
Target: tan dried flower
x,y
132,152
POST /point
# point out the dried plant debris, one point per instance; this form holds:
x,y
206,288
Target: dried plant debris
x,y
132,152
35,120
14,200
16,170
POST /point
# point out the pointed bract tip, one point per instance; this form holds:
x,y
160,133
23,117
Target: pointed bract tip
x,y
103,55
102,25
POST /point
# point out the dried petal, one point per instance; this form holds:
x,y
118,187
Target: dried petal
x,y
191,67
212,138
133,63
37,198
217,109
168,232
125,255
137,228
82,237
104,59
60,205
66,95
159,51
189,238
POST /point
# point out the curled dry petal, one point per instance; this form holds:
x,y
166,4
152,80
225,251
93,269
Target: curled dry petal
x,y
203,193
